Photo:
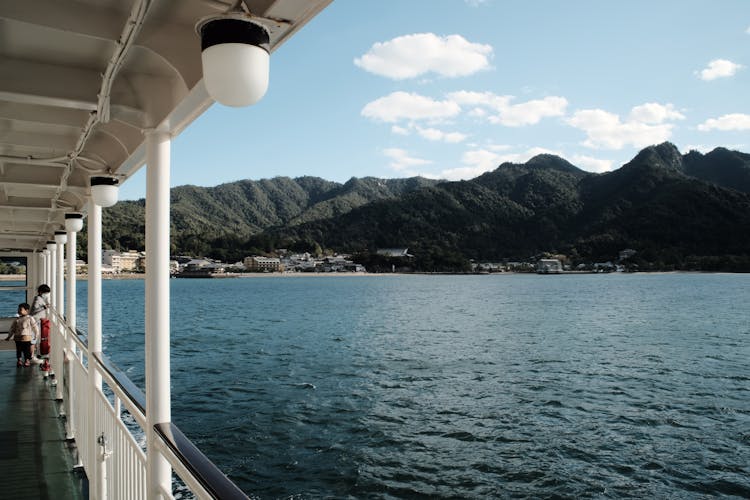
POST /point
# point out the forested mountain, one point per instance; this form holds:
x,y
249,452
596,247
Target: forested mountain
x,y
677,211
207,220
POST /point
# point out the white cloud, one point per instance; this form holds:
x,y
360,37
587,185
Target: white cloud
x,y
433,134
401,161
477,3
733,121
511,115
705,148
487,99
410,56
405,106
719,68
531,112
645,126
478,161
654,113
399,130
591,164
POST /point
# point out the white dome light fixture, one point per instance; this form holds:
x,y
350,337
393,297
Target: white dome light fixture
x,y
236,58
61,237
73,222
104,191
51,246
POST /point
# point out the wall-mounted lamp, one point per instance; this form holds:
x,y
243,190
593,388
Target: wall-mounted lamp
x,y
104,191
236,58
61,237
73,222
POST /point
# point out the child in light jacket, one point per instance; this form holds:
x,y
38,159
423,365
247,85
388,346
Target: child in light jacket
x,y
22,330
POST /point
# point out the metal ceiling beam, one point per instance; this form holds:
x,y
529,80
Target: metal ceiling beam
x,y
27,114
44,84
61,15
39,141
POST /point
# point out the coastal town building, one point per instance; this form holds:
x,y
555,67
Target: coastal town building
x,y
128,261
201,268
394,252
549,266
262,264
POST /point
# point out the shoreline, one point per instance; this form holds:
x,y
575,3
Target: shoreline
x,y
141,276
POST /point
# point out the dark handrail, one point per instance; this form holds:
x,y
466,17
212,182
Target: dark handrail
x,y
210,477
132,391
205,472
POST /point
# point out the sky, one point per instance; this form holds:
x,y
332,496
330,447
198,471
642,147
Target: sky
x,y
449,89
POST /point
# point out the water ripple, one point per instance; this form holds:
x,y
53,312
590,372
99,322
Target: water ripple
x,y
460,387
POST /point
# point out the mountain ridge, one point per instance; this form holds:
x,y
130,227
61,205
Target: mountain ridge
x,y
672,206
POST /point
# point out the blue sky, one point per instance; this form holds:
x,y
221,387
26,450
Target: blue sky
x,y
452,88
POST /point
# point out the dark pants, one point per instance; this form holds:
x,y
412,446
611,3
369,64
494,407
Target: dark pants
x,y
23,347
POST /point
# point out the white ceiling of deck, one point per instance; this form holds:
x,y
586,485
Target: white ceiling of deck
x,y
54,134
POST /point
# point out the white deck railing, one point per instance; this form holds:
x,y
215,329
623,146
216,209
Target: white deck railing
x,y
109,451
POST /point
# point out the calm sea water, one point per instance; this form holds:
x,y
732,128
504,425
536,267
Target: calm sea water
x,y
458,386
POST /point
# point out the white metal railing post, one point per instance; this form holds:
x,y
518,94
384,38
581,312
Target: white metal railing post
x,y
70,313
158,392
59,297
94,471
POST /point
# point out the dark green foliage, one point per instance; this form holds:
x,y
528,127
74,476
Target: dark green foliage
x,y
730,169
221,220
678,212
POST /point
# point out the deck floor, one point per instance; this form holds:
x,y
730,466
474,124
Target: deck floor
x,y
34,456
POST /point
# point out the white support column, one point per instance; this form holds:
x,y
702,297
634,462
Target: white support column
x,y
70,316
158,392
60,279
55,355
70,310
59,298
51,261
96,478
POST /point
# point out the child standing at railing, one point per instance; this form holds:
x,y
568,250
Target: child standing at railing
x,y
22,330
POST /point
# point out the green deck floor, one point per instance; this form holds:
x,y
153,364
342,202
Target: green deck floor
x,y
35,459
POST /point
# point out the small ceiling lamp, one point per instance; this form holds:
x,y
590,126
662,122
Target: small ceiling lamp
x,y
61,237
73,222
104,191
236,58
51,246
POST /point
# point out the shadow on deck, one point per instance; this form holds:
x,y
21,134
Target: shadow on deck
x,y
34,456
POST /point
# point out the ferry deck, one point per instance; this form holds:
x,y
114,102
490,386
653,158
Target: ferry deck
x,y
91,91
